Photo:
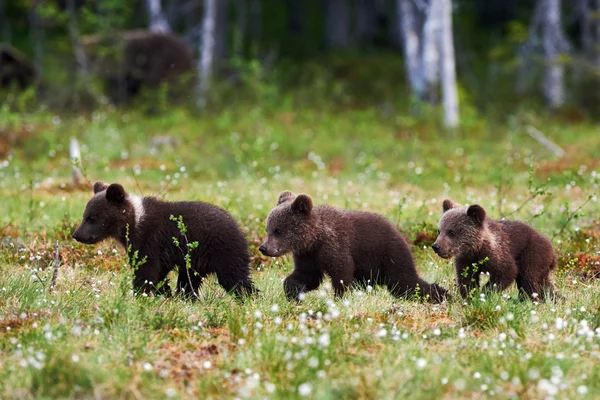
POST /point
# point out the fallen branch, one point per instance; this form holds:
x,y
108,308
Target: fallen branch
x,y
55,273
544,141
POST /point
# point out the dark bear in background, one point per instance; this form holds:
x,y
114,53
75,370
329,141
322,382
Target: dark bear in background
x,y
514,251
145,225
349,246
131,61
15,68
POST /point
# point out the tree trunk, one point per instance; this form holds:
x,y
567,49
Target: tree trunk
x,y
220,52
448,67
366,20
584,8
337,24
36,34
409,29
82,64
255,20
241,27
554,73
207,49
432,31
158,22
597,35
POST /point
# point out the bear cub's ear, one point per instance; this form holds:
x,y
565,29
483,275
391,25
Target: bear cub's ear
x,y
115,193
99,186
302,204
477,213
285,196
448,204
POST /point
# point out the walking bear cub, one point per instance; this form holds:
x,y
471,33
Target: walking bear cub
x,y
513,249
349,246
145,225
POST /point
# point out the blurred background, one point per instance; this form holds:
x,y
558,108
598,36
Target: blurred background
x,y
464,57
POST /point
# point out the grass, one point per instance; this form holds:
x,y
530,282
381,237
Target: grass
x,y
92,338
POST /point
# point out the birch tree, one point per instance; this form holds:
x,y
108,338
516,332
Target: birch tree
x,y
158,22
448,66
546,36
426,30
554,72
207,49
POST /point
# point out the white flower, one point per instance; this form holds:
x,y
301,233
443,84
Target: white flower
x,y
207,364
305,389
421,363
147,366
324,339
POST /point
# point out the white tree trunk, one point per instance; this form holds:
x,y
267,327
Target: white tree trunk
x,y
337,23
158,22
448,67
407,19
432,30
207,49
554,74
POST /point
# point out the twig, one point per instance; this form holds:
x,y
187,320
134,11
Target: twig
x,y
55,273
571,216
39,278
544,141
530,198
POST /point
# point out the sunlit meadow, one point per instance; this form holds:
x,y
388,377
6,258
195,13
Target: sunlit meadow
x,y
90,337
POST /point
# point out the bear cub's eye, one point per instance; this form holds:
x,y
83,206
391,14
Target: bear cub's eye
x,y
91,219
277,231
451,233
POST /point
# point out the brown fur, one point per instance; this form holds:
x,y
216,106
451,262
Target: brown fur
x,y
515,251
140,59
222,249
348,246
15,68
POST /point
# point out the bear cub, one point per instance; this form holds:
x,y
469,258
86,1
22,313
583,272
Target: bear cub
x,y
514,251
348,246
144,225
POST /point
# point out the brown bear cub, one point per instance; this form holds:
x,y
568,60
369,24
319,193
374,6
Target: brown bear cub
x,y
508,251
146,226
348,246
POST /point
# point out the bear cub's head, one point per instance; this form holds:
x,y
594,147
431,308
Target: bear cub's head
x,y
105,215
290,225
460,230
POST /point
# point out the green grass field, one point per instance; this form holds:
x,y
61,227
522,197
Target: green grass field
x,y
91,338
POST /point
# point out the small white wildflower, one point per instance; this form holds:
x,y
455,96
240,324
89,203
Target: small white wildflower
x,y
324,339
170,393
75,358
270,387
305,389
421,363
147,366
275,308
207,364
582,389
477,375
